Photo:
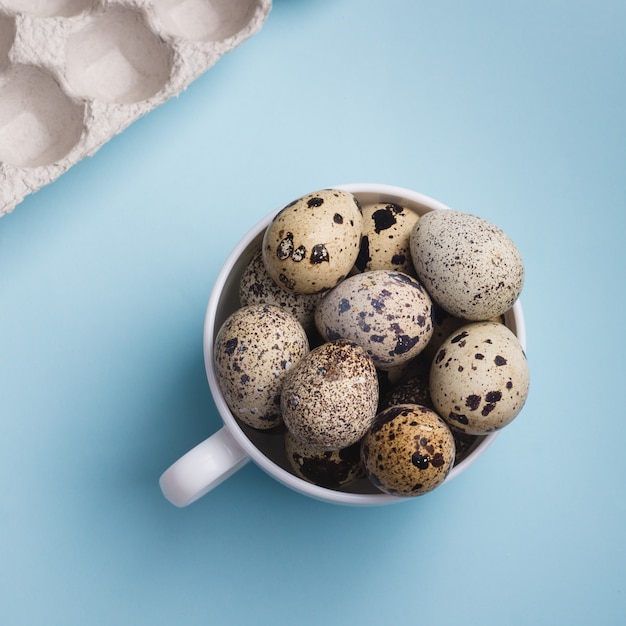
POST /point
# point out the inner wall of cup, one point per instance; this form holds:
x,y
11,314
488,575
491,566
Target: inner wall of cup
x,y
271,443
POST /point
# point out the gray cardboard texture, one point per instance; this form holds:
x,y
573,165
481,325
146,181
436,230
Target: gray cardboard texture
x,y
74,73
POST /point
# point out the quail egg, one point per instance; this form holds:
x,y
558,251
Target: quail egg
x,y
385,244
411,388
254,350
408,451
386,312
257,287
469,266
465,444
479,379
313,242
327,468
329,398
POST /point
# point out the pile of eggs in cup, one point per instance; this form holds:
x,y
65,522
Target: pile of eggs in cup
x,y
375,339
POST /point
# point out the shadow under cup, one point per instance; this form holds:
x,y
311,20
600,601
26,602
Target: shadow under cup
x,y
266,448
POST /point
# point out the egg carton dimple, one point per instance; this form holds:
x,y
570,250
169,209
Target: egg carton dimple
x,y
74,73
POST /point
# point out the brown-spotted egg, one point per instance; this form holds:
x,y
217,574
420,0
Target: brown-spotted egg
x,y
327,468
465,444
313,242
329,398
408,451
469,266
386,312
257,287
479,379
385,243
255,348
412,387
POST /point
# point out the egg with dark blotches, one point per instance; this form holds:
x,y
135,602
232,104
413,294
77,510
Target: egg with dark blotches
x,y
386,235
254,350
408,451
411,388
479,379
329,398
332,469
386,312
470,267
465,444
257,287
313,242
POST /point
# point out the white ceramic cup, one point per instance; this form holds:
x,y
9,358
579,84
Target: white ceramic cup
x,y
230,448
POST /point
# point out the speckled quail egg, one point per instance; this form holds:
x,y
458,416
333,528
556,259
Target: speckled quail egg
x,y
465,444
386,312
329,398
408,451
411,388
255,348
469,266
385,244
327,468
479,379
313,242
257,287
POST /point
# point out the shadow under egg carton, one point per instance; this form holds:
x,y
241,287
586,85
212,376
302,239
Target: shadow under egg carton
x,y
74,73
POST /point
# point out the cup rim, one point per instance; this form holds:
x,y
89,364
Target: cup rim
x,y
374,192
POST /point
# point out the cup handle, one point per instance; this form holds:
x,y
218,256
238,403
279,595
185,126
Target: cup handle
x,y
202,468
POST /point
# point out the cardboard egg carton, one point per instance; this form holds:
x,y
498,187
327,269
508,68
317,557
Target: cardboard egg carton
x,y
74,73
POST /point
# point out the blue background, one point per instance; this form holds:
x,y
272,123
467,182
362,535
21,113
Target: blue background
x,y
513,111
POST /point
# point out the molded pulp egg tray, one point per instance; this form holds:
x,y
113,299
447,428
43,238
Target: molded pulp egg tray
x,y
73,73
